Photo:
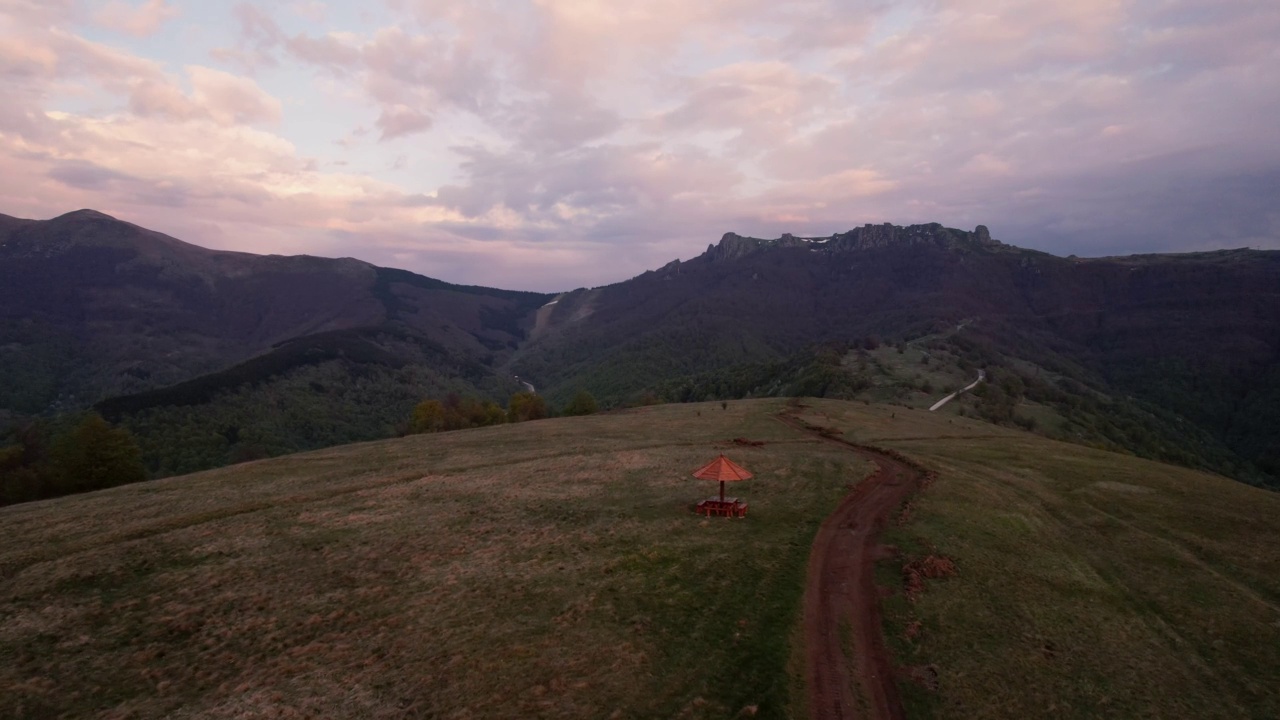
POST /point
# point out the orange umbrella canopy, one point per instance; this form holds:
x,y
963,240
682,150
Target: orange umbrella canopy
x,y
724,470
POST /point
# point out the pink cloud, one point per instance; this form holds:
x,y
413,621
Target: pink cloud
x,y
140,20
39,13
156,97
761,101
255,47
312,10
231,100
328,51
42,60
217,96
400,120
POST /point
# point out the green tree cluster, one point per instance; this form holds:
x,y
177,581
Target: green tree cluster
x,y
42,461
526,406
459,413
582,404
455,413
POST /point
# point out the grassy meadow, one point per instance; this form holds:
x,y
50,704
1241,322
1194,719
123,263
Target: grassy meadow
x,y
1090,584
554,569
546,569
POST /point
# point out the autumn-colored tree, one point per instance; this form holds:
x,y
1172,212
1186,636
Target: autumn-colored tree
x,y
428,416
455,413
582,404
526,406
494,414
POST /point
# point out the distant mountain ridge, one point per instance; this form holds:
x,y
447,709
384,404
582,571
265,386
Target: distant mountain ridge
x,y
1197,333
116,308
95,310
733,246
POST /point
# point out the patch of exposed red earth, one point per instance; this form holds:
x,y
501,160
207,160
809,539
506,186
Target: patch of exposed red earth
x,y
842,603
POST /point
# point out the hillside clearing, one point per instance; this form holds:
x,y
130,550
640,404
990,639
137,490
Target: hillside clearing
x,y
553,569
548,569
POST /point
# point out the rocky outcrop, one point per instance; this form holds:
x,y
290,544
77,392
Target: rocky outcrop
x,y
886,235
733,246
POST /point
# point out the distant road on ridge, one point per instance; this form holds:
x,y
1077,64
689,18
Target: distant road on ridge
x,y
982,375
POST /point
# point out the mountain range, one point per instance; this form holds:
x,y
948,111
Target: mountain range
x,y
211,356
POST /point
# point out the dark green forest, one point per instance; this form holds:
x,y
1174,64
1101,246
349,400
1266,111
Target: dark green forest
x,y
74,454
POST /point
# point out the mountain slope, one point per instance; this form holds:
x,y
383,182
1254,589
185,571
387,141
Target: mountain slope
x,y
1175,357
92,307
1195,334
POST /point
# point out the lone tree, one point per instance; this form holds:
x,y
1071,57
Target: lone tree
x,y
428,416
581,404
526,406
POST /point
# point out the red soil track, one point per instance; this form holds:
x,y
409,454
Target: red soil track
x,y
841,600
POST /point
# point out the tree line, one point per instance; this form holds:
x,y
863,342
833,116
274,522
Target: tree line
x,y
42,460
456,412
50,458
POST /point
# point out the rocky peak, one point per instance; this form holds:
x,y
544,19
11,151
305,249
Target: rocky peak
x,y
733,246
876,236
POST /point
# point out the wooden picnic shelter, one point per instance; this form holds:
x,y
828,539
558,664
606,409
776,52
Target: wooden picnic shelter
x,y
724,470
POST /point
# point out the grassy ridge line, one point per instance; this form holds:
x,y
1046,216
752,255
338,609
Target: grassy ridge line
x,y
14,564
1090,584
503,580
68,543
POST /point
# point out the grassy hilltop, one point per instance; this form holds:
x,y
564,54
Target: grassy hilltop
x,y
1090,584
553,569
547,569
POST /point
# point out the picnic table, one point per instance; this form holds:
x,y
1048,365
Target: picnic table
x,y
722,470
726,507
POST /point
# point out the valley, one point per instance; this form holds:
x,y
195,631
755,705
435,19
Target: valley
x,y
211,358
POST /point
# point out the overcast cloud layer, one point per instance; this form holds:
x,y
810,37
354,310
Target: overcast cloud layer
x,y
552,144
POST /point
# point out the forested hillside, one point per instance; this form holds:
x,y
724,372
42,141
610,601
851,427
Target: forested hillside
x,y
211,357
1193,339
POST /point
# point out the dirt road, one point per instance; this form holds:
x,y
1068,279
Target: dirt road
x,y
849,673
982,375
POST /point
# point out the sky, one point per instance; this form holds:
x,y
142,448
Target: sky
x,y
555,144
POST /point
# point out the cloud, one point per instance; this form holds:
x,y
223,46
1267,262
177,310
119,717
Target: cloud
x,y
332,52
230,100
412,78
256,42
85,176
39,13
40,61
760,101
399,120
553,143
140,21
312,10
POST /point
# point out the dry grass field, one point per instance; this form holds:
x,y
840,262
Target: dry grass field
x,y
1089,584
548,569
554,569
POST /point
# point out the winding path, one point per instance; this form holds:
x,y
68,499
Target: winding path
x,y
842,601
982,375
